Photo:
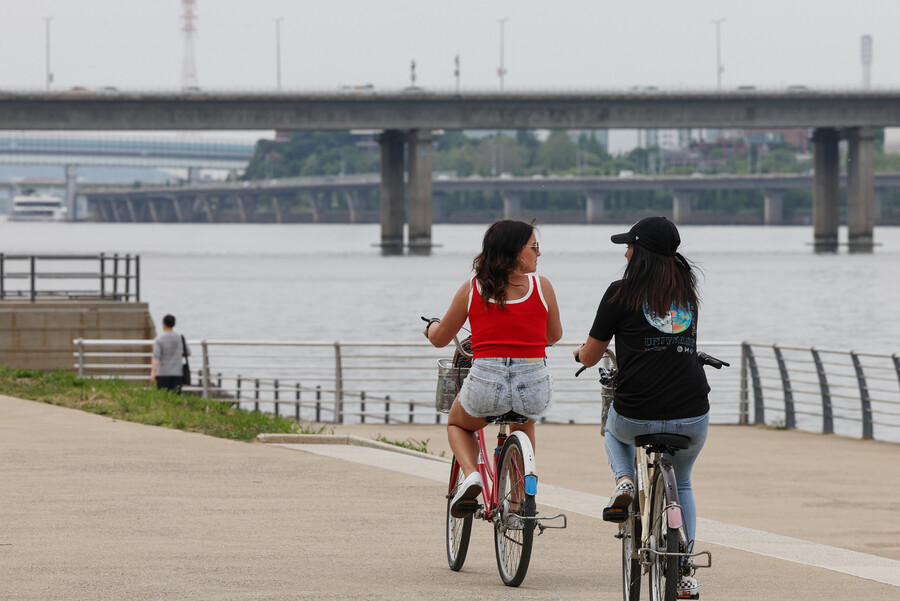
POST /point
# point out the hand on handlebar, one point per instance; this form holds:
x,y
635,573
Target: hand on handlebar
x,y
429,320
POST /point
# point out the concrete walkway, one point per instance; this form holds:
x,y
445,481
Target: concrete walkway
x,y
92,508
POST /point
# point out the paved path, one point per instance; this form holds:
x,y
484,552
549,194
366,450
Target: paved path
x,y
92,508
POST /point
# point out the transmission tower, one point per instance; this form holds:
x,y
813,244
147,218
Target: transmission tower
x,y
188,64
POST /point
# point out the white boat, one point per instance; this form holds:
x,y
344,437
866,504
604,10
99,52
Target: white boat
x,y
38,207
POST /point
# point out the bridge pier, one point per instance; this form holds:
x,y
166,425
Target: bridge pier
x,y
352,200
595,206
151,207
681,206
512,204
71,192
773,212
392,218
860,189
826,183
419,213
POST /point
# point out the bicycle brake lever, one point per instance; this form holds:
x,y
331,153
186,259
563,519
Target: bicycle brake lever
x,y
583,367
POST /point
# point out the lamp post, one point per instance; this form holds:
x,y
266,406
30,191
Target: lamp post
x,y
501,70
719,67
278,49
49,76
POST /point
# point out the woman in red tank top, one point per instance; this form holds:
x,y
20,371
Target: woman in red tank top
x,y
513,316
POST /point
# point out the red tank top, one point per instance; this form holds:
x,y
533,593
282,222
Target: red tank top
x,y
517,330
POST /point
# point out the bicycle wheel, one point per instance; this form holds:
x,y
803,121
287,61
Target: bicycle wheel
x,y
513,532
458,529
664,570
631,561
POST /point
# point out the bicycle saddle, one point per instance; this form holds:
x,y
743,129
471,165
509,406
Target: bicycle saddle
x,y
663,441
510,417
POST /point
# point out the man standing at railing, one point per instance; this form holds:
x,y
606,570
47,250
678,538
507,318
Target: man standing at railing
x,y
167,368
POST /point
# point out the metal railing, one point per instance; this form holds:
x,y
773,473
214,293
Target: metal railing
x,y
111,277
831,391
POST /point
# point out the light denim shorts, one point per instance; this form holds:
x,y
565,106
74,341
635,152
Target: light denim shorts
x,y
496,386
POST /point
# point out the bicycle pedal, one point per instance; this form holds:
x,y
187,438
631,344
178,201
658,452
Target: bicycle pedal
x,y
615,514
468,506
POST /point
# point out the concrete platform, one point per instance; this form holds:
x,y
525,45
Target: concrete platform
x,y
92,508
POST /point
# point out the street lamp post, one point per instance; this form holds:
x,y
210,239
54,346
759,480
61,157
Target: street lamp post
x,y
501,71
278,50
719,67
49,76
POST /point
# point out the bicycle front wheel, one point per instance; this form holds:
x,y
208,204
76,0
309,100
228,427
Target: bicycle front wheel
x,y
513,530
667,542
631,561
458,529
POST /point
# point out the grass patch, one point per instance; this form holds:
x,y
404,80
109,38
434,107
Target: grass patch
x,y
138,402
414,445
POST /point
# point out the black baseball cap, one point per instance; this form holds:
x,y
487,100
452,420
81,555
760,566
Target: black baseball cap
x,y
656,234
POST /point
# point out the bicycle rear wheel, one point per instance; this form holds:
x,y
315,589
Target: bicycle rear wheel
x,y
631,561
664,570
513,531
459,530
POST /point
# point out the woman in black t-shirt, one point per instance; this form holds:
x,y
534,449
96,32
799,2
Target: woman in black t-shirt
x,y
660,387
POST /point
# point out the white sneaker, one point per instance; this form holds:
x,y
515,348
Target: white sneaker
x,y
469,490
687,588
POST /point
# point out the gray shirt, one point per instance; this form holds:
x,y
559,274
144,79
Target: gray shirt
x,y
167,348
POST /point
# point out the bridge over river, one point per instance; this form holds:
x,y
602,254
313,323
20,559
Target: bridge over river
x,y
343,199
408,118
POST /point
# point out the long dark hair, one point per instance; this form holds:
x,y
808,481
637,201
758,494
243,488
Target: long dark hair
x,y
499,257
660,280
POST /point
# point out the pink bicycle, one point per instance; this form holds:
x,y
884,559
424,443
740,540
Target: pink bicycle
x,y
510,486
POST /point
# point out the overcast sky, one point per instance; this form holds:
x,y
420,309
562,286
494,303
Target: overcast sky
x,y
561,44
574,44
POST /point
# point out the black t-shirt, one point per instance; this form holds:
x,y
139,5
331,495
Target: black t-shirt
x,y
659,374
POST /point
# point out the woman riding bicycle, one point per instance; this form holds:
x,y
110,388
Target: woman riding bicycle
x,y
513,315
660,387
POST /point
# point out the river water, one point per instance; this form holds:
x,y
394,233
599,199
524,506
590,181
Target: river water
x,y
330,282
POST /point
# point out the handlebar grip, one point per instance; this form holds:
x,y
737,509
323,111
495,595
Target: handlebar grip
x,y
705,359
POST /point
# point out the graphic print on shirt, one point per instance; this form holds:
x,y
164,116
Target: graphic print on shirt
x,y
677,320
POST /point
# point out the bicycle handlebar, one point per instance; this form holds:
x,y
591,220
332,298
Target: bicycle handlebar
x,y
459,347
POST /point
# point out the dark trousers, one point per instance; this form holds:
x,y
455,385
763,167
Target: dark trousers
x,y
172,383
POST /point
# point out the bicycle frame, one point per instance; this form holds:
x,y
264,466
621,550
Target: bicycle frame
x,y
488,470
674,514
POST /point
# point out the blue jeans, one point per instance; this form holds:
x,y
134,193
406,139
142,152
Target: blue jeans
x,y
620,433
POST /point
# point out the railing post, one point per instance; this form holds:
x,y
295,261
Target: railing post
x,y
362,407
412,408
102,276
744,403
33,269
2,277
387,409
789,417
896,366
827,417
238,386
338,385
205,378
80,343
276,397
759,409
297,403
137,278
127,278
115,277
864,401
318,403
256,395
